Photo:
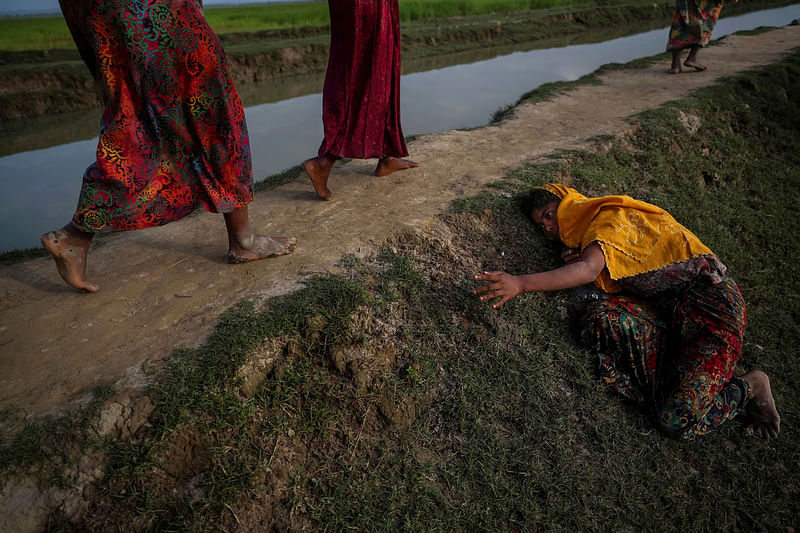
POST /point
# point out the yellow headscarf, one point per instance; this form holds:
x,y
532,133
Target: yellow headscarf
x,y
636,237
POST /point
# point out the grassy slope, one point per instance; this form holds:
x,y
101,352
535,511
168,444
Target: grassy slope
x,y
476,419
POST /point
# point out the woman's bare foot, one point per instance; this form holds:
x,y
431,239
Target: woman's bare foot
x,y
70,248
390,164
691,60
261,247
766,420
697,66
245,245
318,169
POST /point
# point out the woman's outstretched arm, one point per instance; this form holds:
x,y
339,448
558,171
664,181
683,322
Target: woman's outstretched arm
x,y
506,286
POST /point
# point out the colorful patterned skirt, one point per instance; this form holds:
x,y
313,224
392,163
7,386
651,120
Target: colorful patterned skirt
x,y
675,355
173,135
693,23
361,97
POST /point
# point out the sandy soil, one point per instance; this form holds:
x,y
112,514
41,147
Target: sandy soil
x,y
164,288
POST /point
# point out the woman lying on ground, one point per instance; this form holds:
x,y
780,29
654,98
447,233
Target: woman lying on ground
x,y
669,331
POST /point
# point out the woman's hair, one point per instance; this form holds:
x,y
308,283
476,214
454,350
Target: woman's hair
x,y
535,199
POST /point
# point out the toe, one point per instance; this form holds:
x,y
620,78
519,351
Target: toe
x,y
236,260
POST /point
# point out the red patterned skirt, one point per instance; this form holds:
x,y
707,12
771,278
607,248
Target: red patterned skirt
x,y
173,135
679,362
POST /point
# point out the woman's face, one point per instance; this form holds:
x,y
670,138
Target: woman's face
x,y
545,218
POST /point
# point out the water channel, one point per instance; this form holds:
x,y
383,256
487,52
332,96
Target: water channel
x,y
40,187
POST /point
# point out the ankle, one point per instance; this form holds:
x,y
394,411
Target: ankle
x,y
75,234
755,379
241,240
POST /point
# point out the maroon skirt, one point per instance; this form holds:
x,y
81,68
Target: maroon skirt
x,y
361,97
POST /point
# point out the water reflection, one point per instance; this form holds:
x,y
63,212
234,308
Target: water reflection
x,y
51,130
40,187
40,191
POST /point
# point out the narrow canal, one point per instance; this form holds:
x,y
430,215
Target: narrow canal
x,y
40,187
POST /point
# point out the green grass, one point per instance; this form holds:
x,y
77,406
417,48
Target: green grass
x,y
524,434
393,400
429,9
285,176
199,391
51,33
46,447
18,256
267,17
56,81
315,14
38,33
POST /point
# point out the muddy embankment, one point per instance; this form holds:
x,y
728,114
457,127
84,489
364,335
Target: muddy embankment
x,y
48,82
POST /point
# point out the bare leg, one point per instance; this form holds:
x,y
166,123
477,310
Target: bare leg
x,y
245,245
676,62
691,59
69,246
766,420
318,169
390,164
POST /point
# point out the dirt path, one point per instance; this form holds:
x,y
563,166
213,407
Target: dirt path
x,y
164,288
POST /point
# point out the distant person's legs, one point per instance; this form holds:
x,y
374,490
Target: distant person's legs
x,y
676,62
692,26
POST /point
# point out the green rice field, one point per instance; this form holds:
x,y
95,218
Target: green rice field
x,y
38,33
264,17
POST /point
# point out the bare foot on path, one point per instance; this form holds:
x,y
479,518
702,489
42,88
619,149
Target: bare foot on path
x,y
697,66
70,248
390,164
318,169
675,70
766,420
261,247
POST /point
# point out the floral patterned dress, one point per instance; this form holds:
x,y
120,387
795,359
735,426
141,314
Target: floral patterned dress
x,y
693,23
173,135
671,343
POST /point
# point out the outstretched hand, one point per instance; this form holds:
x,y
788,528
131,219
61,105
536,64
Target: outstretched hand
x,y
581,268
501,285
